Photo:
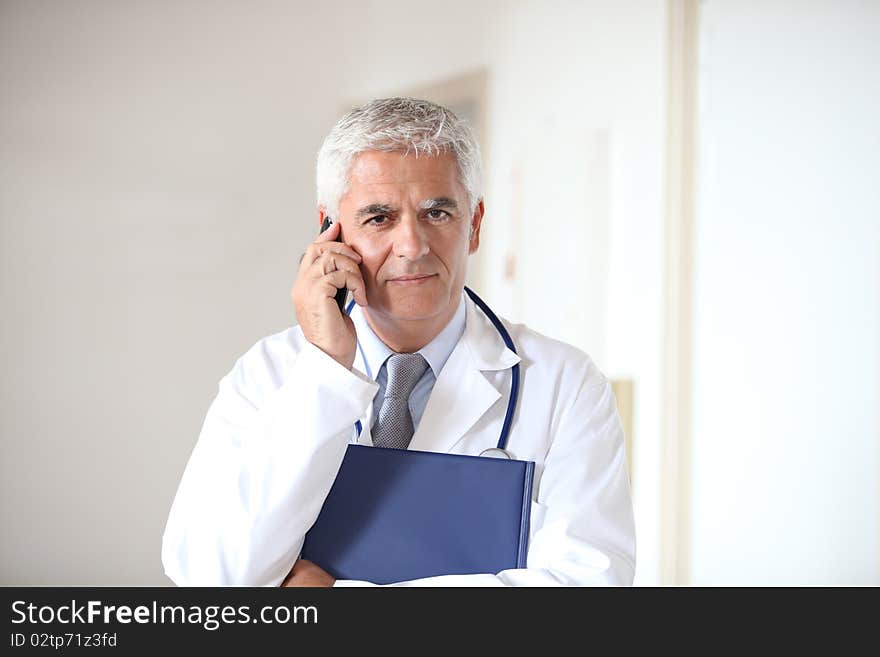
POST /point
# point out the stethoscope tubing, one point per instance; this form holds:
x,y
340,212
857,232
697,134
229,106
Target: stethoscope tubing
x,y
514,373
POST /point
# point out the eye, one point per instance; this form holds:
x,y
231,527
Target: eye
x,y
378,220
438,215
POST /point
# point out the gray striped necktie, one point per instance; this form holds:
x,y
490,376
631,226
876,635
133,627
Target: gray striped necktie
x,y
394,427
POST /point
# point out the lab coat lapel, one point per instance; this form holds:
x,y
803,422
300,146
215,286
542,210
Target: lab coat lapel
x,y
462,394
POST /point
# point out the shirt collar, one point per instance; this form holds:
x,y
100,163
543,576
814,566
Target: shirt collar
x,y
436,352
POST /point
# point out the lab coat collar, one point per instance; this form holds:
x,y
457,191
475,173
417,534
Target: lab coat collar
x,y
488,351
462,394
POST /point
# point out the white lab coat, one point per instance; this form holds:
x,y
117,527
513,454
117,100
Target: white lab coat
x,y
276,433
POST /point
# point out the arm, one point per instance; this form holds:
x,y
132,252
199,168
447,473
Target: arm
x,y
258,475
587,533
273,439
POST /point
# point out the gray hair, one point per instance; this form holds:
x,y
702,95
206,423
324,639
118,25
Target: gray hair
x,y
402,125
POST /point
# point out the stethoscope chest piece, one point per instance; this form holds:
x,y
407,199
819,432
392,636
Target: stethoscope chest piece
x,y
496,453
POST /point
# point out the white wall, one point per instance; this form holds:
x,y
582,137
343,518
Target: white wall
x,y
156,191
786,467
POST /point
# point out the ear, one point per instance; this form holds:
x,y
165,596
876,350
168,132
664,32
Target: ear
x,y
476,222
322,213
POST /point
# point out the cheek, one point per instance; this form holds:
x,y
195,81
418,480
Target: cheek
x,y
373,255
455,251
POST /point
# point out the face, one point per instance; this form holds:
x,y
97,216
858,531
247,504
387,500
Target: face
x,y
409,219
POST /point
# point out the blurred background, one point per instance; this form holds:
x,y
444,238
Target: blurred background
x,y
688,191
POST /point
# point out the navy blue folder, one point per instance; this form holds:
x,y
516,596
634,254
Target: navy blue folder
x,y
395,515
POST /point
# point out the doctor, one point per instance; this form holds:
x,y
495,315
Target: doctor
x,y
401,180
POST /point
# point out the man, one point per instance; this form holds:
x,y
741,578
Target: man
x,y
401,180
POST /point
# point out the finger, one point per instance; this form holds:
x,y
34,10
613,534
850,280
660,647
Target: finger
x,y
316,249
308,258
320,248
333,261
341,278
330,234
350,280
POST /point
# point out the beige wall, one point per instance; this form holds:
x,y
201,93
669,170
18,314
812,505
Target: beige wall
x,y
156,190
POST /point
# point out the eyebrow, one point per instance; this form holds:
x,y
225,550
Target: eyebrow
x,y
428,204
437,203
375,208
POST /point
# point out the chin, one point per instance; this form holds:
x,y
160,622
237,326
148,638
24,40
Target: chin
x,y
413,307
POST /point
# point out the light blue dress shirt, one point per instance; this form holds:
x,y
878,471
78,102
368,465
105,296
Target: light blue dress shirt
x,y
436,353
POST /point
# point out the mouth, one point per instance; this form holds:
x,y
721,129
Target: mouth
x,y
412,279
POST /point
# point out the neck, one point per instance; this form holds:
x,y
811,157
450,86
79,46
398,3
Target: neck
x,y
407,336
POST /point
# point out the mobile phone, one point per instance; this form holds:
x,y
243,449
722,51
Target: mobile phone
x,y
342,292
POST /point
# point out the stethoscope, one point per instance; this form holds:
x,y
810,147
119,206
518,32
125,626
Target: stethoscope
x,y
499,452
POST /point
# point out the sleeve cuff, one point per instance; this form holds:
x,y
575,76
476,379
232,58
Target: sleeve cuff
x,y
351,583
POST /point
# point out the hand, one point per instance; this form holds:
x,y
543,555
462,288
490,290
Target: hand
x,y
326,267
306,573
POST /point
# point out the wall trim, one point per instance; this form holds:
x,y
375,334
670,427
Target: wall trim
x,y
675,498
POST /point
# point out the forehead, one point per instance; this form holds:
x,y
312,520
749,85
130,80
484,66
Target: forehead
x,y
378,171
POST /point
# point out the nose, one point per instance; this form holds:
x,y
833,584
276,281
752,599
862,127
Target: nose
x,y
410,239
